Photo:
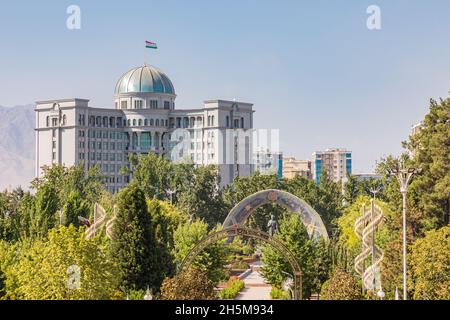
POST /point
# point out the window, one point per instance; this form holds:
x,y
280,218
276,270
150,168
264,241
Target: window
x,y
105,157
242,123
129,122
145,122
228,121
123,104
112,157
140,122
105,145
48,121
54,122
113,146
99,156
105,134
154,104
99,145
157,122
166,105
138,104
134,122
99,134
151,122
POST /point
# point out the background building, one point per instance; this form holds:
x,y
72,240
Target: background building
x,y
267,162
293,167
336,162
70,132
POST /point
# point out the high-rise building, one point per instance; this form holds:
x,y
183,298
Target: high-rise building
x,y
70,132
336,162
293,167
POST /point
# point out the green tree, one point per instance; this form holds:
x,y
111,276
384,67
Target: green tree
x,y
201,196
341,286
165,220
430,190
153,174
211,260
75,207
430,265
292,233
192,284
322,264
133,244
45,213
43,272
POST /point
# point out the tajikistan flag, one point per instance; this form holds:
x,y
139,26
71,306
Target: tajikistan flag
x,y
150,45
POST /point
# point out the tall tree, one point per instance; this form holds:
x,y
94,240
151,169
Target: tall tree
x,y
430,265
133,245
430,190
45,213
292,233
201,196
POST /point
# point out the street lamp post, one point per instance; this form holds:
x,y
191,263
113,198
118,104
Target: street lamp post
x,y
404,176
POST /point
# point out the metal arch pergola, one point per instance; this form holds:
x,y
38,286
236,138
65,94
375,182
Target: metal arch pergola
x,y
237,230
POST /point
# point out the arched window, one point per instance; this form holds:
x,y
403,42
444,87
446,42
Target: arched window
x,y
157,122
140,122
134,122
64,120
111,122
129,122
145,122
151,122
105,122
98,121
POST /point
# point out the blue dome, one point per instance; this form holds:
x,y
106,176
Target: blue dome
x,y
145,79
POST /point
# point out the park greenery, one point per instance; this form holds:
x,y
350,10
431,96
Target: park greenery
x,y
168,207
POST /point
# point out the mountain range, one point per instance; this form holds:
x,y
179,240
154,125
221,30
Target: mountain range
x,y
17,146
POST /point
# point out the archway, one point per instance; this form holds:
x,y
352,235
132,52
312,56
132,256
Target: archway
x,y
236,230
240,213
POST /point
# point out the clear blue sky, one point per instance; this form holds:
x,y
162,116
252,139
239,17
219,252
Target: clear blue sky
x,y
311,68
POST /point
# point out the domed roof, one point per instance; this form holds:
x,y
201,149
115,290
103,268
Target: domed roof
x,y
145,79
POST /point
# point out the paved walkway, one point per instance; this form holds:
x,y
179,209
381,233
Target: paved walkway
x,y
255,288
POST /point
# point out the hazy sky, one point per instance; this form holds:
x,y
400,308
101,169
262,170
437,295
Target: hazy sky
x,y
312,68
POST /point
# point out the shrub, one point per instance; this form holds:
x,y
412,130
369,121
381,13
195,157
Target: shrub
x,y
233,288
192,284
341,286
279,294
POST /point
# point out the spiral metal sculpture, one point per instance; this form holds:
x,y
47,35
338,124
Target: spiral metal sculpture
x,y
365,230
100,222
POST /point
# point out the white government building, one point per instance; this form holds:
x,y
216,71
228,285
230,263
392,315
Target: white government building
x,y
70,132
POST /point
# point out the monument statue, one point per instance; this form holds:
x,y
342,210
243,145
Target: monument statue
x,y
272,225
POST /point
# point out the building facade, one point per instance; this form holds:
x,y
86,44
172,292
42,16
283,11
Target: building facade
x,y
293,168
144,119
336,162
